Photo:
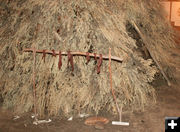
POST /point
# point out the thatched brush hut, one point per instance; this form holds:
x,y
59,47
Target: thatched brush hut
x,y
135,30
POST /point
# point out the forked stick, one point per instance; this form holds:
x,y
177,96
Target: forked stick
x,y
110,77
115,99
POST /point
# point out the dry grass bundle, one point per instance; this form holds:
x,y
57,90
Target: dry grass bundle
x,y
87,26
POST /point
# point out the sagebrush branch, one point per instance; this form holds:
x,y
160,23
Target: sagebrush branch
x,y
94,55
151,53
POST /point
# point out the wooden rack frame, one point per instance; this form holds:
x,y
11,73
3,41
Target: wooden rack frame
x,y
105,57
53,52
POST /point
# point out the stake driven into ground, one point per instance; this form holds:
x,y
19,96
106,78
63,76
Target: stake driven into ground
x,y
34,84
112,90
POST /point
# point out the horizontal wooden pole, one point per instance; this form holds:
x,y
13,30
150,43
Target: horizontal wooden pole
x,y
115,58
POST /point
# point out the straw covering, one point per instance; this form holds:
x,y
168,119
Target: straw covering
x,y
85,26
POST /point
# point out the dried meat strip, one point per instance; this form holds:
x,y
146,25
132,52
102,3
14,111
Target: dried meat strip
x,y
44,55
69,57
70,60
95,57
99,63
53,53
87,57
60,60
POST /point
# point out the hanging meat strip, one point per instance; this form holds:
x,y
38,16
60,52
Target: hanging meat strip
x,y
87,57
69,57
53,54
95,57
70,60
99,63
44,55
60,60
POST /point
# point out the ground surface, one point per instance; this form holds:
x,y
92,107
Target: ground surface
x,y
151,120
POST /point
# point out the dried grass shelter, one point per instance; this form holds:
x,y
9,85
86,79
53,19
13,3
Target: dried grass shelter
x,y
136,31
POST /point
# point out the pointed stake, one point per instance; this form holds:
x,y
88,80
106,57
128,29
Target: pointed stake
x,y
110,77
34,82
